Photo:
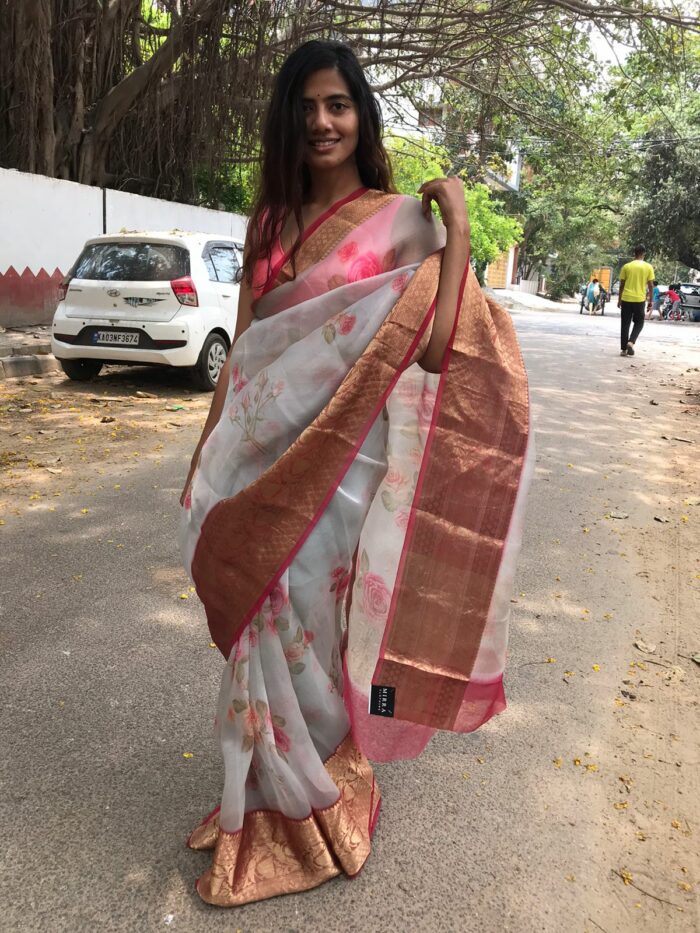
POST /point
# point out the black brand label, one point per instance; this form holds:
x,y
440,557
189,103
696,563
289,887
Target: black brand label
x,y
381,701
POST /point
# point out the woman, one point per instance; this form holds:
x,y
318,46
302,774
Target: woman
x,y
350,518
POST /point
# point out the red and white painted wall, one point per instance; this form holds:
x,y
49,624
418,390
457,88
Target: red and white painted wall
x,y
45,221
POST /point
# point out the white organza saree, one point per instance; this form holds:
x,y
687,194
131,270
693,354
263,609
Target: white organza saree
x,y
352,529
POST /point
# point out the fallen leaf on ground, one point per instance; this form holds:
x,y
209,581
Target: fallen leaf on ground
x,y
659,518
570,877
591,767
550,660
557,762
644,646
212,644
621,805
684,886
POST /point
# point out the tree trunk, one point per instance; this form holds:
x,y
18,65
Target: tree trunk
x,y
112,108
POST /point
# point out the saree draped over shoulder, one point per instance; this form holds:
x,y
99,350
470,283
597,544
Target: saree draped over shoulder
x,y
352,530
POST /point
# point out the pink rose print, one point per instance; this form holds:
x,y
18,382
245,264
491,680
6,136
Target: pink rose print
x,y
188,500
399,282
278,599
346,324
252,722
364,267
401,517
237,378
407,390
394,479
282,740
425,411
308,637
341,580
375,597
348,252
294,652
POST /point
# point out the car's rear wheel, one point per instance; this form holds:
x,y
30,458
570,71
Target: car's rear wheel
x,y
81,370
210,362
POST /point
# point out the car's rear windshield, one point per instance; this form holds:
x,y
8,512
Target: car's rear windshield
x,y
132,262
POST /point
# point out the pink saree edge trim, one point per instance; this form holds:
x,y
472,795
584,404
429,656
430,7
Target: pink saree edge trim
x,y
333,489
421,476
281,263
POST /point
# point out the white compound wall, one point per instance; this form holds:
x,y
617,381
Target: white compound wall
x,y
45,221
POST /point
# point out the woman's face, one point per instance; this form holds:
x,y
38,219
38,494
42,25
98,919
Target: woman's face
x,y
332,122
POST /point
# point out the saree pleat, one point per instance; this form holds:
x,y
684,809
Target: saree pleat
x,y
352,527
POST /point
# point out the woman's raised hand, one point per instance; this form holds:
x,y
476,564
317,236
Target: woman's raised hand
x,y
448,194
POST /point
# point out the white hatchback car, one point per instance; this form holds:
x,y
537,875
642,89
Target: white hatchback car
x,y
158,298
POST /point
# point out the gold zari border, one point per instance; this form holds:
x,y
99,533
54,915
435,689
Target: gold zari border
x,y
273,854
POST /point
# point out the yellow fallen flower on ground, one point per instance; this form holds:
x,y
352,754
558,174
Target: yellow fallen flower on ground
x,y
187,755
557,762
595,667
622,805
184,596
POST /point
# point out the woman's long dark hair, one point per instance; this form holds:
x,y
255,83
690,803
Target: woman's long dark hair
x,y
284,176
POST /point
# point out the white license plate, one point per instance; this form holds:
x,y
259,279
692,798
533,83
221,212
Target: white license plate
x,y
117,336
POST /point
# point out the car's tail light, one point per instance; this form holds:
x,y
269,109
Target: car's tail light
x,y
63,288
185,292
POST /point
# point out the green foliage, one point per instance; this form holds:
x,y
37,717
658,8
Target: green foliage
x,y
492,230
230,188
416,159
570,227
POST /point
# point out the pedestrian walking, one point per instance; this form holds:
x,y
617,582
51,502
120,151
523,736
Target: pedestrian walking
x,y
674,311
636,279
350,519
655,301
593,295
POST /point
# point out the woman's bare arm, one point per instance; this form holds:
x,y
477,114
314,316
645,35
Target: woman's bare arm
x,y
243,322
449,195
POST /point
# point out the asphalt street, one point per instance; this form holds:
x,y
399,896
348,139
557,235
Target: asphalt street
x,y
575,810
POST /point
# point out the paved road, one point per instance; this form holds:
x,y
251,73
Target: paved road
x,y
107,677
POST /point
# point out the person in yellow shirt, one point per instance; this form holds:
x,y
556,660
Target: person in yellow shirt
x,y
636,288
